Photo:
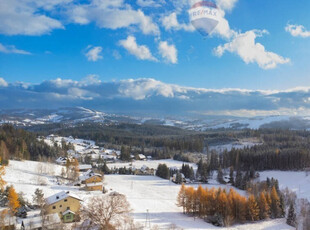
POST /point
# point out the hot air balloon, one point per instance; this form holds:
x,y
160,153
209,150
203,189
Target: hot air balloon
x,y
204,16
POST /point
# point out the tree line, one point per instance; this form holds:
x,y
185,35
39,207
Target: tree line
x,y
20,144
224,208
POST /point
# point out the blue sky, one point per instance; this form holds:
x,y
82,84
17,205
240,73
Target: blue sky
x,y
258,44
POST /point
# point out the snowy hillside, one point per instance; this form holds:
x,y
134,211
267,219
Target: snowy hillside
x,y
144,193
31,117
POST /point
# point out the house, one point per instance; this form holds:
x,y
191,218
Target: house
x,y
108,158
50,221
61,160
90,177
61,202
149,157
7,222
97,186
68,216
84,168
92,181
145,171
141,157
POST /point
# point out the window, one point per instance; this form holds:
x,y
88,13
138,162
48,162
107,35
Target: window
x,y
60,206
54,207
65,200
68,208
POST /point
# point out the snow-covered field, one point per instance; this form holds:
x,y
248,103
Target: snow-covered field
x,y
151,164
298,182
144,193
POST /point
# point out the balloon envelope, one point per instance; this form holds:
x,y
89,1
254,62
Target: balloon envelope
x,y
204,16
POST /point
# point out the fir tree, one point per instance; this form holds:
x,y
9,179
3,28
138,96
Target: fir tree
x,y
231,176
291,217
220,178
38,197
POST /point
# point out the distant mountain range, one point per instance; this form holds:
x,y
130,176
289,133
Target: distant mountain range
x,y
31,117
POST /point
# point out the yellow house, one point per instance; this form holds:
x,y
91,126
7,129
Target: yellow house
x,y
92,181
63,202
94,186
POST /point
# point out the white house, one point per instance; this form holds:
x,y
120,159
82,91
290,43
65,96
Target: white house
x,y
141,157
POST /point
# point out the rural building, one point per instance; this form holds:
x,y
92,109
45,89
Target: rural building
x,y
90,177
141,157
94,186
62,202
51,221
84,168
7,222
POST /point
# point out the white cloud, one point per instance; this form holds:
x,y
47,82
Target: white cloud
x,y
25,18
226,4
140,89
81,94
142,52
12,50
223,28
168,52
250,51
91,79
149,3
112,15
3,83
297,31
93,53
170,22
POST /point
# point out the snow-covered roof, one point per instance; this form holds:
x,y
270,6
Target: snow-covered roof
x,y
94,184
84,167
141,156
67,211
61,160
88,174
36,222
60,196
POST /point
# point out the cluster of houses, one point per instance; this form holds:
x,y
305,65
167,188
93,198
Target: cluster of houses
x,y
83,148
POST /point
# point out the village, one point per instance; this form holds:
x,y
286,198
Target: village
x,y
57,194
80,173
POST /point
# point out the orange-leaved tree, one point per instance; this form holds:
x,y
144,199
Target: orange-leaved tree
x,y
13,200
2,173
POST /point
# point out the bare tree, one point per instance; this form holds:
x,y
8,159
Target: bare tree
x,y
107,212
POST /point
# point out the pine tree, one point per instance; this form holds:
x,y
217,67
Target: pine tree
x,y
231,176
2,173
291,217
38,197
13,200
220,176
253,209
263,206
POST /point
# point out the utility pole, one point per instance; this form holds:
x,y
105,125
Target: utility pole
x,y
147,219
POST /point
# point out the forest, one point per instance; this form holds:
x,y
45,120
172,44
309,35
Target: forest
x,y
20,144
